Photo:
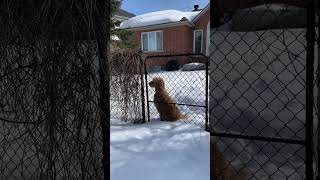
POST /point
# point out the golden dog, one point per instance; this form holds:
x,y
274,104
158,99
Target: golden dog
x,y
164,103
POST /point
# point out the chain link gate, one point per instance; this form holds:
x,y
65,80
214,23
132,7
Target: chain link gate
x,y
263,116
187,86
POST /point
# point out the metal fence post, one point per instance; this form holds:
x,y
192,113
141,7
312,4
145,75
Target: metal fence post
x,y
309,88
147,92
103,39
318,93
142,91
207,95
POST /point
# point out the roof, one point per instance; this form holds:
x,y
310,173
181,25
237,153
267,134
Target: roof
x,y
124,13
159,17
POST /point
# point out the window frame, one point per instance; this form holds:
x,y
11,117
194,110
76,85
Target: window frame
x,y
142,45
194,40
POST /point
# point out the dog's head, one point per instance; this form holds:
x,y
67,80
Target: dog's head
x,y
156,82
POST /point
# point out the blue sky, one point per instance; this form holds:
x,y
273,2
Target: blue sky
x,y
138,7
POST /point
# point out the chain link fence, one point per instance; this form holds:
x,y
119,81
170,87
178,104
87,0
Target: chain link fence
x,y
185,78
263,119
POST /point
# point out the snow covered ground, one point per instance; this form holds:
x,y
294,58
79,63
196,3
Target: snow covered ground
x,y
165,150
159,150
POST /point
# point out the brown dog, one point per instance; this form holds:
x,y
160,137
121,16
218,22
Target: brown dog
x,y
164,103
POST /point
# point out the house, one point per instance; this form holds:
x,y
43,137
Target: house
x,y
171,32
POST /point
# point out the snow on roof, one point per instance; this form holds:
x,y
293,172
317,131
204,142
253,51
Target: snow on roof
x,y
159,17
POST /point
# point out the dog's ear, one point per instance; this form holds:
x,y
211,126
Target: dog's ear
x,y
151,83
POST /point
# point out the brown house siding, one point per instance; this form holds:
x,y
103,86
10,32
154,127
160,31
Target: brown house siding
x,y
177,40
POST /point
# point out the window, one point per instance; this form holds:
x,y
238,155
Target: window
x,y
197,42
152,41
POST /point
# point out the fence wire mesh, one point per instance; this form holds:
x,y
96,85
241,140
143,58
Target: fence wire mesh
x,y
258,70
50,123
185,82
49,108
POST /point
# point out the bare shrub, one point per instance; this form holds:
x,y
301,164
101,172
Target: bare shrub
x,y
126,85
50,108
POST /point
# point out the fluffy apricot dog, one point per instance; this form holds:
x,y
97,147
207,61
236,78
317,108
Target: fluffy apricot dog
x,y
164,103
